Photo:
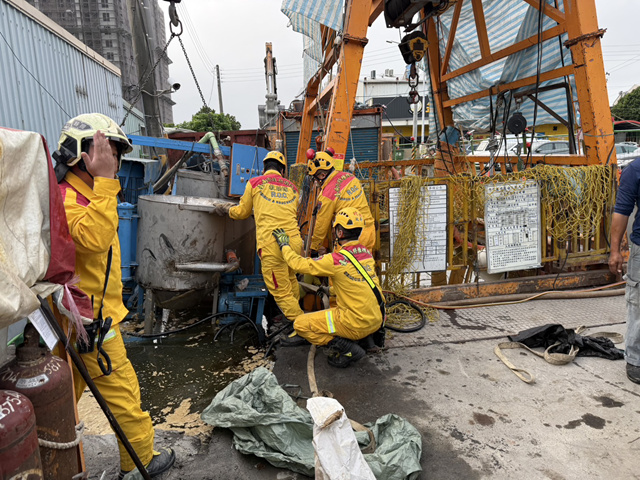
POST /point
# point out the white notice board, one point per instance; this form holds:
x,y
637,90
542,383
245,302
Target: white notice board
x,y
431,228
512,225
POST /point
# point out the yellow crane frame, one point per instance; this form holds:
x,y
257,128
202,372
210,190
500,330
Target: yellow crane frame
x,y
579,22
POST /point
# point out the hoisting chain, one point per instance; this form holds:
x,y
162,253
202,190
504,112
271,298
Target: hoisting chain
x,y
192,72
197,84
148,75
413,80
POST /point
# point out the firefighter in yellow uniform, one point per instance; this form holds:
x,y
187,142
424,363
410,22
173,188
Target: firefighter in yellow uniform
x,y
351,269
88,158
339,190
274,202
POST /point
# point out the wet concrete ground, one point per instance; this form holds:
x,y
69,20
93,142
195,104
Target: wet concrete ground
x,y
477,419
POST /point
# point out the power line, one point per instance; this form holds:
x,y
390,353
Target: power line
x,y
33,76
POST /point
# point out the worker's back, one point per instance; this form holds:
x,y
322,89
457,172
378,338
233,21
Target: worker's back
x,y
354,295
274,202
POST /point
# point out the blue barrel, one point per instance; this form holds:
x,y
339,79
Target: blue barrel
x,y
128,235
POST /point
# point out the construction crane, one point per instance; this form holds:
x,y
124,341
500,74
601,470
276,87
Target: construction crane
x,y
578,22
572,27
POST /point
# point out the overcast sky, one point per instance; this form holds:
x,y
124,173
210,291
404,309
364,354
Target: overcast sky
x,y
232,34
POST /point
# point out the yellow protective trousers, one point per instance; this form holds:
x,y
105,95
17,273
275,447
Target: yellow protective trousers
x,y
280,279
122,394
320,327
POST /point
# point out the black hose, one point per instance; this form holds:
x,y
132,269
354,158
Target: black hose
x,y
199,322
423,317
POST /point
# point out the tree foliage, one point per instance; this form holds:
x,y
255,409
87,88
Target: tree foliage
x,y
628,107
208,120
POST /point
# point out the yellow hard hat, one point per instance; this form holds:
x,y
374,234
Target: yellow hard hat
x,y
349,218
277,156
84,127
321,161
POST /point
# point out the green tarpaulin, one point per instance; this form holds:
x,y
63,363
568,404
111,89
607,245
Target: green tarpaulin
x,y
267,423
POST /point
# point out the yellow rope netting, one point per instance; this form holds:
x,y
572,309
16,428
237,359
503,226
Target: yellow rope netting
x,y
573,205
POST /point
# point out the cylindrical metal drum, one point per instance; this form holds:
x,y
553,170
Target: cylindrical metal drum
x,y
46,380
197,184
178,230
19,453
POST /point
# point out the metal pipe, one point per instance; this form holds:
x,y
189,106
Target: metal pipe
x,y
207,267
523,296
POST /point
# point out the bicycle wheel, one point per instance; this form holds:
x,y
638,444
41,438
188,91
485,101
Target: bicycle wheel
x,y
404,316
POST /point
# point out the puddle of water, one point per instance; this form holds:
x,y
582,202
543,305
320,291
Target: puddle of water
x,y
187,366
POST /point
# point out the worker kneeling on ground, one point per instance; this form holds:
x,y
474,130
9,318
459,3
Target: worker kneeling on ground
x,y
274,202
88,160
360,305
339,190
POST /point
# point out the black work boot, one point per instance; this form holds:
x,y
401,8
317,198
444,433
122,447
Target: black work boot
x,y
160,463
633,373
293,340
343,352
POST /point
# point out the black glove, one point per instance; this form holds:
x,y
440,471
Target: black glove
x,y
281,237
313,254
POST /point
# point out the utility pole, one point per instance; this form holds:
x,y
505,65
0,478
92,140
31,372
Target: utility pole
x,y
219,89
270,71
139,20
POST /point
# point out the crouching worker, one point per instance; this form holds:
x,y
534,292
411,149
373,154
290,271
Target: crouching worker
x,y
360,305
88,159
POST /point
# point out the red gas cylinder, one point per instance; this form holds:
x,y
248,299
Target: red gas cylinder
x,y
19,453
46,380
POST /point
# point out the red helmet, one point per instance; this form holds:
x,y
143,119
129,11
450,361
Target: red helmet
x,y
311,153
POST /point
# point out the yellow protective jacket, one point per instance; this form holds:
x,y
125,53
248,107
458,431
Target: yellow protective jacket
x,y
341,190
355,298
274,202
93,222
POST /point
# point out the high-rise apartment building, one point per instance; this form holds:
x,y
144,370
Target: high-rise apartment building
x,y
105,26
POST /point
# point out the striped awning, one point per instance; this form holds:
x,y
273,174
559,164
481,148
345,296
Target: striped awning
x,y
306,16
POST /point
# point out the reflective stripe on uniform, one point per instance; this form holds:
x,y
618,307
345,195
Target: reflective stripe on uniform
x,y
331,328
111,334
359,267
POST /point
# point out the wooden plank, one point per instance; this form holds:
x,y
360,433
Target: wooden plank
x,y
548,10
523,82
452,37
377,7
505,52
481,28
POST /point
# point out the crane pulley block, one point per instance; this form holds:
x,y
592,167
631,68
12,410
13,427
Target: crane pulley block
x,y
413,47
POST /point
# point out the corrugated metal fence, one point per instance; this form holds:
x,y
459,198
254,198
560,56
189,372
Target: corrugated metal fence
x,y
45,79
366,143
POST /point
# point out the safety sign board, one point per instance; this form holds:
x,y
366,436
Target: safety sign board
x,y
431,228
512,226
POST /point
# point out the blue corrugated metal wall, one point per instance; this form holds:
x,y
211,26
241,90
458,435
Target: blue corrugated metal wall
x,y
67,82
365,145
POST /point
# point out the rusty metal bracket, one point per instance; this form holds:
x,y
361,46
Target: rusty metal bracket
x,y
348,38
598,33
